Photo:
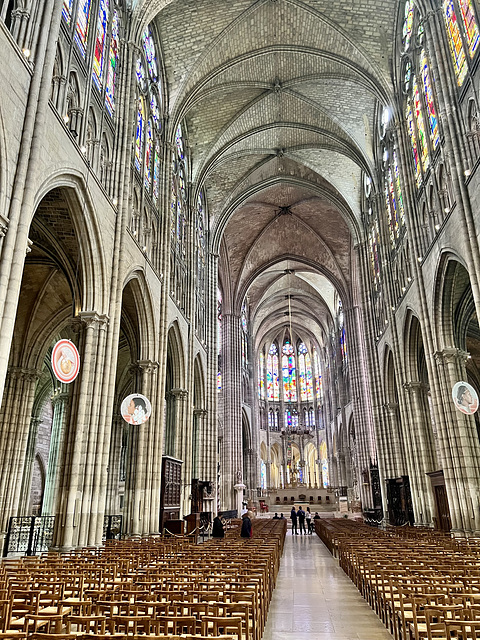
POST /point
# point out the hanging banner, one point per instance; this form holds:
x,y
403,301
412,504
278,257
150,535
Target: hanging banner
x,y
136,409
65,361
465,398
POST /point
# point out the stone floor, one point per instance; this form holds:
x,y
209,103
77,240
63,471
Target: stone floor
x,y
314,599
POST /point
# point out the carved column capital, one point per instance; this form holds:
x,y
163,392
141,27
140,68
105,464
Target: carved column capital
x,y
179,394
91,319
451,355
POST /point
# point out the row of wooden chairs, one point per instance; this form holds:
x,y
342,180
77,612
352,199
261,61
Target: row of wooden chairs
x,y
154,586
422,584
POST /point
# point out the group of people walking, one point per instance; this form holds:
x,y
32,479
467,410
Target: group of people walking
x,y
299,518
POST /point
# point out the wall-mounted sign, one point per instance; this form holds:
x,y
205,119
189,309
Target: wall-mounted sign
x,y
136,409
465,398
65,361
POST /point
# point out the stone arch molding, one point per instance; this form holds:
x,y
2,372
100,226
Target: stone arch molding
x,y
176,350
148,330
96,293
443,291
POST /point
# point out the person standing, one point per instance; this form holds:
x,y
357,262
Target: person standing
x,y
308,518
218,530
293,518
301,520
247,531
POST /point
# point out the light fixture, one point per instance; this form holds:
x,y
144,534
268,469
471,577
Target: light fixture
x,y
145,248
446,209
393,308
386,321
419,258
134,233
467,172
83,149
409,279
66,118
437,227
115,202
404,289
26,52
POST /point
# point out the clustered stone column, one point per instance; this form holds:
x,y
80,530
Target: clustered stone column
x,y
231,455
15,420
59,402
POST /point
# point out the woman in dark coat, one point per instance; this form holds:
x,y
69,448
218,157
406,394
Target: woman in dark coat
x,y
246,531
217,529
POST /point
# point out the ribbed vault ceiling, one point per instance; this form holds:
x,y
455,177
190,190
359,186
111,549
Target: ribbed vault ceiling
x,y
280,101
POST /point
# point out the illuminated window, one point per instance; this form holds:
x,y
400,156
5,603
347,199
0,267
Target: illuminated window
x,y
289,373
99,53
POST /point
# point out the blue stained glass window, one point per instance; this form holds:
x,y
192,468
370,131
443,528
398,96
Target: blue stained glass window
x,y
99,53
81,29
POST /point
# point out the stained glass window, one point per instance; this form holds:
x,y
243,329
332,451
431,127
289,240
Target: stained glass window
x,y
427,90
295,419
271,420
391,207
423,148
261,377
399,189
155,110
141,77
343,345
289,373
407,76
455,41
374,242
324,462
179,142
244,350
156,173
67,10
318,375
408,23
149,49
413,141
148,156
305,373
139,136
263,475
112,66
244,317
471,28
99,54
273,387
81,29
312,418
288,419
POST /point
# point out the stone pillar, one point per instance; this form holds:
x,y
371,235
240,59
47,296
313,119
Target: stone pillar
x,y
144,463
77,514
112,505
231,453
15,419
59,402
394,466
459,448
24,506
198,462
422,462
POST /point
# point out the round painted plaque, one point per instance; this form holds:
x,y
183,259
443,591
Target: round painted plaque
x,y
136,409
65,361
465,398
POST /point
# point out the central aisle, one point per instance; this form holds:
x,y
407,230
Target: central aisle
x,y
314,598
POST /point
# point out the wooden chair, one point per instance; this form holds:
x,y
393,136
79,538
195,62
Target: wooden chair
x,y
223,624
